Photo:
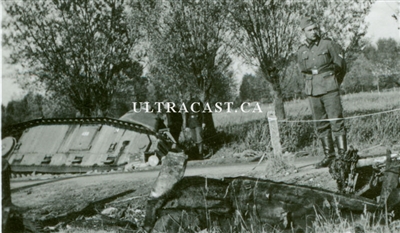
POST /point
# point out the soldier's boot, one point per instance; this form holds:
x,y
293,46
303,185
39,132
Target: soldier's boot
x,y
200,148
329,152
341,144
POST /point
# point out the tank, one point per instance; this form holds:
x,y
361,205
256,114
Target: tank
x,y
79,145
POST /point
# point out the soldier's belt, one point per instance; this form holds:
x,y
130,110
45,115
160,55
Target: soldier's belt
x,y
318,71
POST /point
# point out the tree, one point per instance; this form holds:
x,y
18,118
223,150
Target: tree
x,y
384,63
360,77
254,88
376,67
246,90
191,45
267,32
266,35
79,50
189,50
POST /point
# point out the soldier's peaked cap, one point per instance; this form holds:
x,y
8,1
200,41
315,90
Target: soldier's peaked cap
x,y
306,21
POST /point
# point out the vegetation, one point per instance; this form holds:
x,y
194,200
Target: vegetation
x,y
78,50
190,49
91,53
375,68
96,57
268,33
335,223
250,130
256,88
89,57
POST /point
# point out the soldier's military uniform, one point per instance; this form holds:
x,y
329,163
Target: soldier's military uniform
x,y
174,122
322,65
194,120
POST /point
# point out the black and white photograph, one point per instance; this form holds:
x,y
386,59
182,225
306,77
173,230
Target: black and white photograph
x,y
200,116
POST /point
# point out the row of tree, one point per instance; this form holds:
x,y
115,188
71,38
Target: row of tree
x,y
93,54
376,68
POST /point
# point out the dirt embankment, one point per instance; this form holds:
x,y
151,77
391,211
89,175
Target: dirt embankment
x,y
47,201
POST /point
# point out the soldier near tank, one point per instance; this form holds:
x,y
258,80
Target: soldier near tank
x,y
323,67
194,121
173,119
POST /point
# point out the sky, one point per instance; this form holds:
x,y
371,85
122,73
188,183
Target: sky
x,y
381,22
381,25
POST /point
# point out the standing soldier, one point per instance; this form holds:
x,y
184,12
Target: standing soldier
x,y
194,120
323,67
173,120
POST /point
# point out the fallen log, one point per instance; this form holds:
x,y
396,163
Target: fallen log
x,y
247,203
369,161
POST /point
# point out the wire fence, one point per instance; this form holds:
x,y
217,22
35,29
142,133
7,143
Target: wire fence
x,y
330,119
335,119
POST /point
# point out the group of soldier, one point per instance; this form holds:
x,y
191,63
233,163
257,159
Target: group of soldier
x,y
191,120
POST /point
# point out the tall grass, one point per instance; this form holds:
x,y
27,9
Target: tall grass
x,y
362,132
358,103
333,221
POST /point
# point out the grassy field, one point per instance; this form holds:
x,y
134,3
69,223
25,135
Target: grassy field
x,y
353,104
367,125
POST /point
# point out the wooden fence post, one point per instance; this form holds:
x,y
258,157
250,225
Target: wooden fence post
x,y
274,133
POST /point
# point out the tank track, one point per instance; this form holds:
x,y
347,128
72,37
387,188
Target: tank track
x,y
18,128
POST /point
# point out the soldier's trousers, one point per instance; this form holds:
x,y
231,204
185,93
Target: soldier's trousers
x,y
196,134
327,106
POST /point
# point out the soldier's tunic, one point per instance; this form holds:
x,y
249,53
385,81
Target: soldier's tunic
x,y
321,63
194,119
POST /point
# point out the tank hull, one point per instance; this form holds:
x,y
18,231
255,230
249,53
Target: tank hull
x,y
82,145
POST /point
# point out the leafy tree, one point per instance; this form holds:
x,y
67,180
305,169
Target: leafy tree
x,y
134,90
254,88
267,32
188,49
246,88
33,106
191,48
377,67
223,89
79,50
385,63
360,77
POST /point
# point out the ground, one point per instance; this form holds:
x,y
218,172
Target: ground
x,y
45,197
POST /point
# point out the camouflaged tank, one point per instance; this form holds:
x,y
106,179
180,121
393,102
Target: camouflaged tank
x,y
79,145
